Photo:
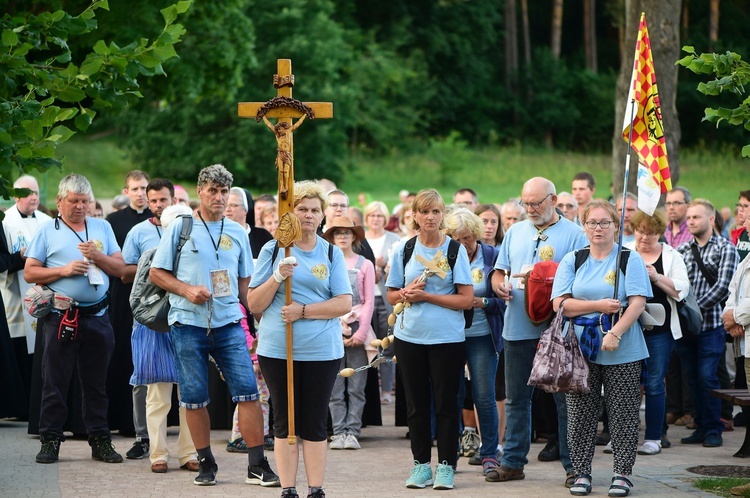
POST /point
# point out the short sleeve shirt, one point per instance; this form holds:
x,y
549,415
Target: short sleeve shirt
x,y
595,280
56,245
315,280
210,248
479,324
142,237
427,323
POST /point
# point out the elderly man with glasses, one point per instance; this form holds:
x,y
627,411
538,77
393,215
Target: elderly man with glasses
x,y
543,236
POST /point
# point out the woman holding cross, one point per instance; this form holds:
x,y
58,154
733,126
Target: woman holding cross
x,y
430,336
320,295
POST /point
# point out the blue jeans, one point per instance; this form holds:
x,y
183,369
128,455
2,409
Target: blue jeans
x,y
700,359
348,396
519,356
482,359
660,347
228,347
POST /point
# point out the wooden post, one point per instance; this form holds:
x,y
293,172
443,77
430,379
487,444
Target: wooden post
x,y
285,109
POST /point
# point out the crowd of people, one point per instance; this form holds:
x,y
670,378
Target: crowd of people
x,y
440,285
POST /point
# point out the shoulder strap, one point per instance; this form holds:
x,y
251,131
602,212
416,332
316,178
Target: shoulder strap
x,y
409,250
360,261
583,254
330,252
710,278
187,227
453,247
275,252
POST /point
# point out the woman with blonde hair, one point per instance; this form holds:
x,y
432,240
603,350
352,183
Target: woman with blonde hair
x,y
430,337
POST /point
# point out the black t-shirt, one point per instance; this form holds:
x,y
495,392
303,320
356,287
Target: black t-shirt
x,y
660,297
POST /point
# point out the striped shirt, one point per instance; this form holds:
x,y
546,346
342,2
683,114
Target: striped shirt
x,y
720,259
683,235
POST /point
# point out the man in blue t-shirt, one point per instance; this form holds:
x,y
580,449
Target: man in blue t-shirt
x,y
205,295
545,235
74,256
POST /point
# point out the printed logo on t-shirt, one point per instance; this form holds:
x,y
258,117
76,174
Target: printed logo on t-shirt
x,y
225,242
99,245
609,278
477,275
443,264
320,271
546,253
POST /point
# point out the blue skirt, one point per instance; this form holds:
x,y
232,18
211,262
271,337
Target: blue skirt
x,y
153,356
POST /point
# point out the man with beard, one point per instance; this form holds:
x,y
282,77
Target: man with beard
x,y
543,236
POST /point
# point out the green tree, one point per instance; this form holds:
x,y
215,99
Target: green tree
x,y
50,90
732,75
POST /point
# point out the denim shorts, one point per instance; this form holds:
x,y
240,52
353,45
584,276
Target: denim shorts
x,y
227,345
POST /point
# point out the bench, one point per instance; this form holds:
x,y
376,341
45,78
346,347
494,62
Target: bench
x,y
739,397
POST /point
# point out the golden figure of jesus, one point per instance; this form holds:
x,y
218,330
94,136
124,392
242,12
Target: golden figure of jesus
x,y
283,132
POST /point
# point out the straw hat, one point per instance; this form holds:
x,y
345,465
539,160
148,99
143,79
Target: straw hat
x,y
344,222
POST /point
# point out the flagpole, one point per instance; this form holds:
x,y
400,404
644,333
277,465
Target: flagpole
x,y
623,199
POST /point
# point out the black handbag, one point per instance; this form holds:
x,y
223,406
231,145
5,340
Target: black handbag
x,y
691,318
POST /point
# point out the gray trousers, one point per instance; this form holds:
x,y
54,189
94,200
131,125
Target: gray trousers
x,y
139,412
346,414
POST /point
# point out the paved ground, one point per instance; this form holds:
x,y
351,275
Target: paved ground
x,y
377,470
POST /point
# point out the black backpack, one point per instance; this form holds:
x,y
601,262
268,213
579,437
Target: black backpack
x,y
453,247
583,254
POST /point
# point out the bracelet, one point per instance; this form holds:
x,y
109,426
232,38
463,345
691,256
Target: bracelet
x,y
303,310
658,277
617,337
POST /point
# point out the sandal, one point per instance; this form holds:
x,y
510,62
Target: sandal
x,y
620,486
581,486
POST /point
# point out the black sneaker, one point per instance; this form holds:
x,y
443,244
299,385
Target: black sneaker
x,y
139,450
50,451
206,473
551,452
102,450
317,494
268,443
263,475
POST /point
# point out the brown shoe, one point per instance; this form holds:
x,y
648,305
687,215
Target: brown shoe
x,y
684,420
671,418
159,467
503,473
191,465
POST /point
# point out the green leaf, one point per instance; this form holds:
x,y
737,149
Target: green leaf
x,y
91,65
183,6
83,121
10,39
100,4
5,138
33,129
169,14
25,152
58,16
61,134
689,49
147,59
49,116
165,52
101,48
71,94
746,151
685,61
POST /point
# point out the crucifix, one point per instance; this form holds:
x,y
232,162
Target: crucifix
x,y
286,109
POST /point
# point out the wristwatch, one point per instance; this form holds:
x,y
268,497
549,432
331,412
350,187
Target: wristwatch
x,y
485,302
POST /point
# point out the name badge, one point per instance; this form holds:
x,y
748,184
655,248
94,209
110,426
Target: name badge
x,y
220,283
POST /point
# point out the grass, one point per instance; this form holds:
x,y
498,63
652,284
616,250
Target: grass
x,y
719,485
496,174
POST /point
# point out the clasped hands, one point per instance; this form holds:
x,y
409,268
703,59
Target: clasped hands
x,y
414,292
730,325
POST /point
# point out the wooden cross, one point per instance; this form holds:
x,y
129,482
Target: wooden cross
x,y
431,266
285,109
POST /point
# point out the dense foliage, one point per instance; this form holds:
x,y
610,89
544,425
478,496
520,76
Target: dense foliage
x,y
51,89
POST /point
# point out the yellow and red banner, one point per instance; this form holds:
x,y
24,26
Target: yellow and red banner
x,y
648,139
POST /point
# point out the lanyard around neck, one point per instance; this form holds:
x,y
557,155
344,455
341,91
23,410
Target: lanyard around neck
x,y
86,226
213,242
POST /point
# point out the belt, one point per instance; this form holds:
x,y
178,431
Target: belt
x,y
88,310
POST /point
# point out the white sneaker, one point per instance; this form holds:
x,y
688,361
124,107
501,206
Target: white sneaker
x,y
608,448
650,448
337,442
351,442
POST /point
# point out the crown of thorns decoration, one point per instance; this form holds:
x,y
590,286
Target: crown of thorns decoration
x,y
277,102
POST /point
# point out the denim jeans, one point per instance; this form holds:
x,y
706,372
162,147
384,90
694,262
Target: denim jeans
x,y
348,395
660,347
228,347
519,356
482,359
700,359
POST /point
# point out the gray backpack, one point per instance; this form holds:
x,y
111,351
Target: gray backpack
x,y
149,302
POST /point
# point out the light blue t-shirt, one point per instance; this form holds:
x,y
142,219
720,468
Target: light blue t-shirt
x,y
142,237
595,280
315,280
520,247
427,323
197,259
56,245
479,325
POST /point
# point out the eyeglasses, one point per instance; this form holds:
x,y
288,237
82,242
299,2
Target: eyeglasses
x,y
739,205
343,233
591,224
646,234
533,205
339,206
674,203
563,206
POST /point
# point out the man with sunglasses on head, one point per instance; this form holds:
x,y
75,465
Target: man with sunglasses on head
x,y
543,236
